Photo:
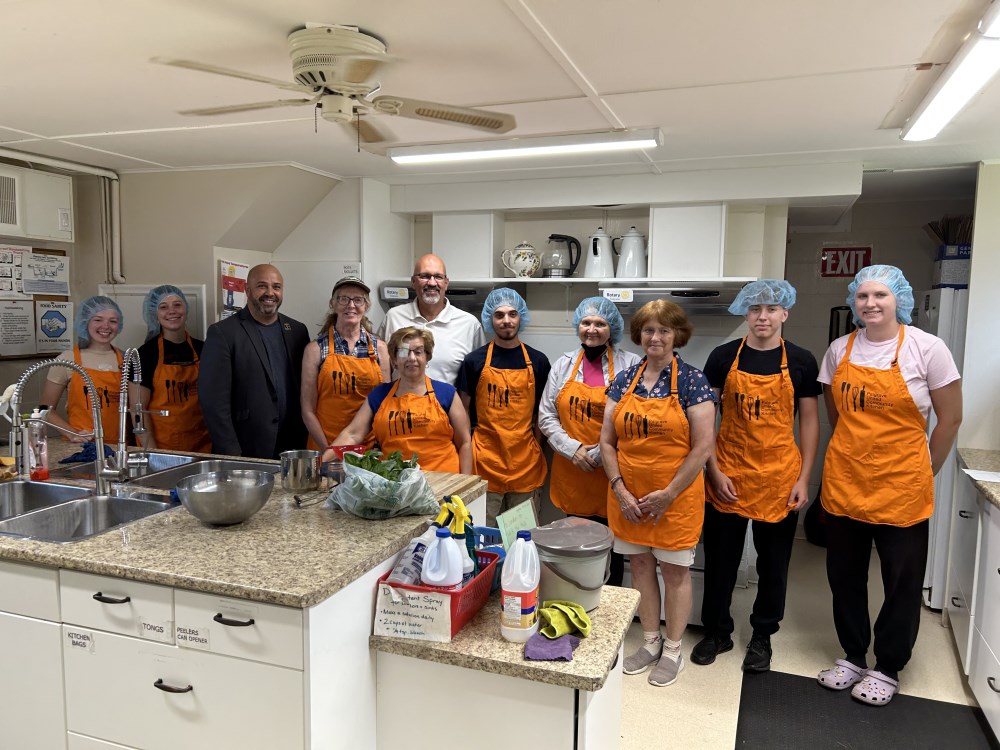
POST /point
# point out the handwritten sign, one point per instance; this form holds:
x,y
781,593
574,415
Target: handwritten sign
x,y
519,518
420,615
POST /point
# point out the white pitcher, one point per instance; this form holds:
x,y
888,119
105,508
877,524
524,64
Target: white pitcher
x,y
599,262
632,260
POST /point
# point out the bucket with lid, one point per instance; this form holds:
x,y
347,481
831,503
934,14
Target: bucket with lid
x,y
575,557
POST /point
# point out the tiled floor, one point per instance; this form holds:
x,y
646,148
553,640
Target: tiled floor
x,y
700,710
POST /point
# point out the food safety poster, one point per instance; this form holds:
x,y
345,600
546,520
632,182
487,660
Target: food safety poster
x,y
234,287
12,270
17,328
54,326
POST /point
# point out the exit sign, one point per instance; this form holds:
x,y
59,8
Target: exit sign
x,y
844,261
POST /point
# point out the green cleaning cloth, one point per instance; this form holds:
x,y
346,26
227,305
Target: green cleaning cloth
x,y
559,617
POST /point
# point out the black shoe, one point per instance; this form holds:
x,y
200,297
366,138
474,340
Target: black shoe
x,y
758,658
709,647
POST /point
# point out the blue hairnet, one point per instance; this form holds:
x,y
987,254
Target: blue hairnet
x,y
503,297
763,292
153,299
602,308
893,278
87,310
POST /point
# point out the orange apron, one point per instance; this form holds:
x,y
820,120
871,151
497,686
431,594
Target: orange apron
x,y
581,412
504,450
654,438
175,389
108,384
417,424
343,385
878,465
756,444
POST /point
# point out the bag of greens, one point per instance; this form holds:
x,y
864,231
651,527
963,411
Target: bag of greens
x,y
376,488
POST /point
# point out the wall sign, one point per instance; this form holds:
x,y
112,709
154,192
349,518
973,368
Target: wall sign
x,y
844,261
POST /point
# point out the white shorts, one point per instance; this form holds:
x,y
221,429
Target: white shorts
x,y
682,557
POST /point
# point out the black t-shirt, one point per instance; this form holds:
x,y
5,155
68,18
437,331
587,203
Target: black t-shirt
x,y
173,354
802,366
503,359
281,367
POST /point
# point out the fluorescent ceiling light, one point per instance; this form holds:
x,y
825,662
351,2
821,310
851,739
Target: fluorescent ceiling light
x,y
976,63
517,148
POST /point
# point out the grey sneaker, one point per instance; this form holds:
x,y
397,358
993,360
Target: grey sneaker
x,y
640,661
666,671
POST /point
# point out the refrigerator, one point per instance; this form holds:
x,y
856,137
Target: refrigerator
x,y
943,312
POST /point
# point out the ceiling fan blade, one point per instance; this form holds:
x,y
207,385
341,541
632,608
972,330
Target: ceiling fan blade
x,y
369,131
247,107
479,119
217,70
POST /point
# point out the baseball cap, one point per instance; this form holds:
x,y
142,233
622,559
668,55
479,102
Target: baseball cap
x,y
351,281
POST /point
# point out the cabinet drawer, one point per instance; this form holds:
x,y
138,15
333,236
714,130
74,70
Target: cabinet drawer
x,y
117,605
29,590
984,679
112,694
82,742
241,628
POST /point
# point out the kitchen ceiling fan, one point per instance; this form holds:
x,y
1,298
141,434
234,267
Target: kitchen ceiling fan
x,y
331,66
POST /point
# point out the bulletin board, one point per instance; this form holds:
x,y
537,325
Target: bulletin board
x,y
36,314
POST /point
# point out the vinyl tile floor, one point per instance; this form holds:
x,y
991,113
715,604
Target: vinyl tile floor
x,y
700,710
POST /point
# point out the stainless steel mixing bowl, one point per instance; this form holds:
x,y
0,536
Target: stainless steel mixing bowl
x,y
225,497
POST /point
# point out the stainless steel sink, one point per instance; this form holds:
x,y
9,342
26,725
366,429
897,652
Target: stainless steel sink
x,y
168,478
84,517
155,461
21,496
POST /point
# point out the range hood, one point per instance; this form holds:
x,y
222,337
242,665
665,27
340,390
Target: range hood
x,y
465,295
696,296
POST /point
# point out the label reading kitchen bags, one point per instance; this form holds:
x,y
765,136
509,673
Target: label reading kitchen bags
x,y
79,640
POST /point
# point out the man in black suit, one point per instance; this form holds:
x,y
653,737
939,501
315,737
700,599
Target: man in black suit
x,y
251,367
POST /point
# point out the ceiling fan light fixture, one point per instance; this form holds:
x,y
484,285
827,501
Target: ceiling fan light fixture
x,y
587,143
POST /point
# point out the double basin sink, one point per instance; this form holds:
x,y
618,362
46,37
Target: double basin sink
x,y
53,512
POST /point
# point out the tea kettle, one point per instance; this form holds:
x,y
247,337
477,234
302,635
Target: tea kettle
x,y
559,261
523,261
632,260
600,249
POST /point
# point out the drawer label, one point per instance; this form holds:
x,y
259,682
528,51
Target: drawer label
x,y
156,631
81,640
193,637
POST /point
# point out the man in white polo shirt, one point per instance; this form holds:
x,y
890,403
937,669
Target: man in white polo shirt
x,y
456,333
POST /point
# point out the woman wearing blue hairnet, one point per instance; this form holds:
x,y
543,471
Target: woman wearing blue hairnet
x,y
98,321
572,410
881,383
170,364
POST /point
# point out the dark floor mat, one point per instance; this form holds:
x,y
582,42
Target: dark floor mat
x,y
780,710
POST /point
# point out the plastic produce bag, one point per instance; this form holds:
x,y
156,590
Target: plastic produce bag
x,y
367,495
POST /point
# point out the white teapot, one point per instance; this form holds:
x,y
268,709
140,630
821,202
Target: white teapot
x,y
522,261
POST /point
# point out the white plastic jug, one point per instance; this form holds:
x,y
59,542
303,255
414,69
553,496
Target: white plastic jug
x,y
442,565
519,590
599,263
632,260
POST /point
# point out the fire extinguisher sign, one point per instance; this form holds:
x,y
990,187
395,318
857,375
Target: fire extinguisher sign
x,y
844,261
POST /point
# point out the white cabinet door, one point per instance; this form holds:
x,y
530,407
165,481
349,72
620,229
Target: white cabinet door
x,y
965,538
31,684
121,689
986,608
984,679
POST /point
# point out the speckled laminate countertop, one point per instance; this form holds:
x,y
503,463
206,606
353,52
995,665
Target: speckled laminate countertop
x,y
284,555
983,460
480,646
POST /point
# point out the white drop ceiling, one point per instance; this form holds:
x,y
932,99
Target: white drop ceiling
x,y
731,84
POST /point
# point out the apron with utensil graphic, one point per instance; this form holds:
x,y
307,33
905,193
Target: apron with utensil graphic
x,y
756,446
175,390
581,411
414,423
654,438
504,450
108,384
878,464
343,384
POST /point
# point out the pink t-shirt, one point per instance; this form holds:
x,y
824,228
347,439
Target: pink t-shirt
x,y
924,360
593,372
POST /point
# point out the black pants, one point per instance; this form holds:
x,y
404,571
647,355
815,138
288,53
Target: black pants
x,y
723,536
902,551
617,560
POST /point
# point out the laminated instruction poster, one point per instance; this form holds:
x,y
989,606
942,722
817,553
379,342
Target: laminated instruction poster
x,y
54,326
12,270
46,274
17,327
234,287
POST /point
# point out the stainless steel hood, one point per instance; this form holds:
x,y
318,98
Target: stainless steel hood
x,y
465,295
696,297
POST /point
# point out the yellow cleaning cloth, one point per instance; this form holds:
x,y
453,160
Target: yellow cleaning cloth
x,y
559,617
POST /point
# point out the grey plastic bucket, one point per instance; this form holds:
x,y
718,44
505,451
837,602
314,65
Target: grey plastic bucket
x,y
575,554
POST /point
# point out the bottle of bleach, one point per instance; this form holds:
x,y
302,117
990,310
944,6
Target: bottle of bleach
x,y
442,566
519,590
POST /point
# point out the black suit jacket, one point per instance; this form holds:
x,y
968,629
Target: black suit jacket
x,y
236,389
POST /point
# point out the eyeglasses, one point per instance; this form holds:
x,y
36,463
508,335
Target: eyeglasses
x,y
653,331
344,301
438,277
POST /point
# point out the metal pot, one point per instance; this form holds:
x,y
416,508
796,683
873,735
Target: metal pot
x,y
300,470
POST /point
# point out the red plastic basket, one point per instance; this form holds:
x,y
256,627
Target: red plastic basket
x,y
469,599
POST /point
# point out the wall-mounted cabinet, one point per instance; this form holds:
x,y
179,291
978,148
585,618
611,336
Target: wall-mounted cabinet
x,y
36,205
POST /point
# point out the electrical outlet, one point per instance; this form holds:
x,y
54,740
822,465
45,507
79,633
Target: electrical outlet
x,y
65,220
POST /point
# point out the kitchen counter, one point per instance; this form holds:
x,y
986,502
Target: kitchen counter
x,y
284,555
480,646
983,460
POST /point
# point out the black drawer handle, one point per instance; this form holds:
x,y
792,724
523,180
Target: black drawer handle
x,y
110,599
232,623
964,514
993,684
956,602
161,685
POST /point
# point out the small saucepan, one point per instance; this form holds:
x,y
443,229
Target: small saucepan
x,y
300,470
